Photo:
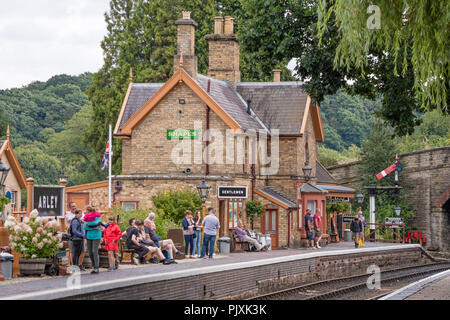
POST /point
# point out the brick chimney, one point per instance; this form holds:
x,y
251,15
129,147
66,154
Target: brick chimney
x,y
224,51
186,44
276,75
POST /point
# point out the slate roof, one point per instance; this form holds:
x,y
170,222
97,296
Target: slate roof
x,y
280,105
273,193
140,93
274,105
334,188
230,101
310,188
322,175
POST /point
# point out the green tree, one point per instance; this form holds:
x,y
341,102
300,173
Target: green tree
x,y
142,36
36,163
173,204
420,27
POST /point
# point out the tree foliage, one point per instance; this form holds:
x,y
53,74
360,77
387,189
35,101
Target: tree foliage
x,y
420,27
173,204
141,35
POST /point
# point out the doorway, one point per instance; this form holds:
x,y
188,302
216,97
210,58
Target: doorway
x,y
81,199
269,225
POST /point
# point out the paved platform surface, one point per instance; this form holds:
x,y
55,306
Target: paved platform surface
x,y
57,287
435,287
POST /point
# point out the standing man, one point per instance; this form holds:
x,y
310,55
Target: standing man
x,y
318,227
309,229
69,217
212,225
355,227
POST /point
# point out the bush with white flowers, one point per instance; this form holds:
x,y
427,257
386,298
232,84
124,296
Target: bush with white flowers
x,y
35,237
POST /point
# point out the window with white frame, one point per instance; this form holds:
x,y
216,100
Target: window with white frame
x,y
129,205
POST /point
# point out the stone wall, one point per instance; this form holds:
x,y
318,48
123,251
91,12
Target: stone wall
x,y
427,173
248,282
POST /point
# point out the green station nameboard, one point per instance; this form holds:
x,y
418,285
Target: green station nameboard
x,y
175,134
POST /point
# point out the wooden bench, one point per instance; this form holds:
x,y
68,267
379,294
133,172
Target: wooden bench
x,y
123,249
326,237
237,245
176,235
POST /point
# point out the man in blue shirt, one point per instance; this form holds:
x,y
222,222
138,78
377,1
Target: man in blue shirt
x,y
309,223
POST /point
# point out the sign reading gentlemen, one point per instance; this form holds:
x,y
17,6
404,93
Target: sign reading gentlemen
x,y
232,192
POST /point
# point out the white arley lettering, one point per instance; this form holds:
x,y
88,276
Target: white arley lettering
x,y
48,202
201,310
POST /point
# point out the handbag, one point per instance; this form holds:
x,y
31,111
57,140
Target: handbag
x,y
360,242
194,235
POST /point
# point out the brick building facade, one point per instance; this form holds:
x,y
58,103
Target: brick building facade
x,y
217,106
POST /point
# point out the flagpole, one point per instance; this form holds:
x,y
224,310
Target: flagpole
x,y
109,167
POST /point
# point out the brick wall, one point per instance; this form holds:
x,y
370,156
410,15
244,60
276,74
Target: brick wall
x,y
247,282
427,173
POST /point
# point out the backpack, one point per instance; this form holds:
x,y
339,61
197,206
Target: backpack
x,y
70,229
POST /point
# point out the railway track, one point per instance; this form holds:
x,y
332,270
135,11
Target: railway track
x,y
345,286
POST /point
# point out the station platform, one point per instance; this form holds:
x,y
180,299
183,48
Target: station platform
x,y
223,277
435,287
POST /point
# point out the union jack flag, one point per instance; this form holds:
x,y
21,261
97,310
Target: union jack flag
x,y
105,160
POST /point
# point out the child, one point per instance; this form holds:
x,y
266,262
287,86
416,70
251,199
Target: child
x,y
92,218
112,235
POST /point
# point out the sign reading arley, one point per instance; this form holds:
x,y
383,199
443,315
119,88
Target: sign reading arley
x,y
49,200
232,192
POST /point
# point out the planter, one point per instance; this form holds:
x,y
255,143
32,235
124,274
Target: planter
x,y
32,267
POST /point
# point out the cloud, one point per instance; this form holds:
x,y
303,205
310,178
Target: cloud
x,y
41,38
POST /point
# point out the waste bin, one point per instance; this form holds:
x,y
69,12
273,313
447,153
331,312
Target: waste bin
x,y
6,262
224,245
269,242
347,235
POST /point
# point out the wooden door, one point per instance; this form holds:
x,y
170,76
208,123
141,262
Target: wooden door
x,y
222,218
81,199
269,225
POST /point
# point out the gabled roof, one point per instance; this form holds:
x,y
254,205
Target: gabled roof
x,y
322,174
274,105
229,99
283,106
276,197
228,107
6,147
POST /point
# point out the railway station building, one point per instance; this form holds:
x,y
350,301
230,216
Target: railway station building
x,y
225,126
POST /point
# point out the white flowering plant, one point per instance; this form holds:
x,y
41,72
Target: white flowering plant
x,y
35,237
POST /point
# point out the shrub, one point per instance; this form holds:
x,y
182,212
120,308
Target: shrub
x,y
254,208
171,205
35,237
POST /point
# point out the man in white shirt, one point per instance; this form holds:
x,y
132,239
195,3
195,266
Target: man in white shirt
x,y
69,216
211,224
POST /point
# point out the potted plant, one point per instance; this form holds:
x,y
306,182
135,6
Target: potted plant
x,y
36,239
254,208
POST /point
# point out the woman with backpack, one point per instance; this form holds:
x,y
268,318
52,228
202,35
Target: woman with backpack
x,y
77,232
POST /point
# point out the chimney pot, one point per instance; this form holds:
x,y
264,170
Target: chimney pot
x,y
229,25
218,25
186,15
276,75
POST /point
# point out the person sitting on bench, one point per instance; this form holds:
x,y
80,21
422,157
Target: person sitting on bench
x,y
243,237
166,244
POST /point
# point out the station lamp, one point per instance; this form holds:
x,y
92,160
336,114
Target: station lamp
x,y
398,210
203,190
360,198
307,172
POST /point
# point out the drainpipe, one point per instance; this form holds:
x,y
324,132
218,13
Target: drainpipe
x,y
253,180
289,228
207,132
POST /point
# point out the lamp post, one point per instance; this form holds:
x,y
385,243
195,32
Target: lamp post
x,y
203,191
398,210
360,198
307,172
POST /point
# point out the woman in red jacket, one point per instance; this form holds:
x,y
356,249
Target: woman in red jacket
x,y
112,235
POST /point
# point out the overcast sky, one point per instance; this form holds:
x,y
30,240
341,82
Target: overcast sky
x,y
42,38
